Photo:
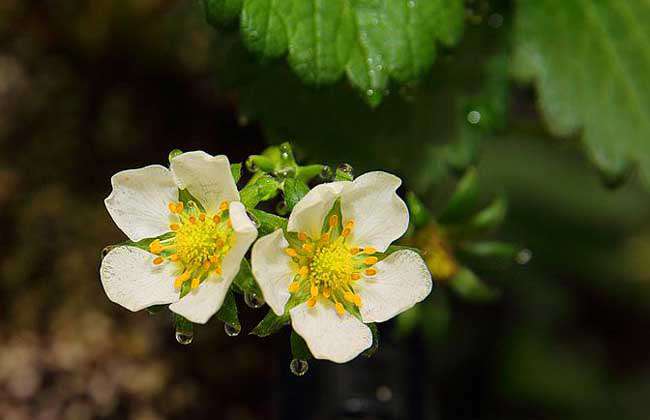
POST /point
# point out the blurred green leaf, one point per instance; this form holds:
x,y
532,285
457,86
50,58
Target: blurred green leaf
x,y
490,217
371,41
218,12
307,173
420,215
590,61
468,286
261,187
375,341
268,223
228,311
270,324
153,310
463,201
299,348
294,191
235,168
491,249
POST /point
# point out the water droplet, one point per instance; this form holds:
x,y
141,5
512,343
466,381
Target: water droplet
x,y
299,367
106,250
495,20
380,67
286,172
370,92
524,256
285,148
281,208
473,117
253,300
284,155
184,337
411,4
326,173
345,167
251,166
384,393
231,330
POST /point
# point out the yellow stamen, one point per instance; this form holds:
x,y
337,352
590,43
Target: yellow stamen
x,y
155,247
172,207
291,252
370,261
218,271
181,279
294,286
302,236
325,237
214,259
174,226
346,232
349,297
371,272
357,300
334,220
158,260
327,292
355,276
192,219
304,271
349,224
223,206
355,251
311,302
195,283
179,207
174,257
339,309
206,264
369,250
216,219
202,217
314,291
308,247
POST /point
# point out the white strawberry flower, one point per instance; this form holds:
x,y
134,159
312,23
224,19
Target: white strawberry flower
x,y
199,246
332,265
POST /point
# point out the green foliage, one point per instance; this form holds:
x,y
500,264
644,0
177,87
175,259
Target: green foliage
x,y
463,200
294,190
591,61
228,311
244,280
270,324
467,285
268,222
299,348
260,188
371,41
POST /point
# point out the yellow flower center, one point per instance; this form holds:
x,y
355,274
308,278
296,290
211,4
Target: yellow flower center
x,y
328,266
198,243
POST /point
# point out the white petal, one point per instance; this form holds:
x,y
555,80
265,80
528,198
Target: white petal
x,y
272,270
330,336
132,280
207,178
402,280
380,215
199,305
308,215
139,200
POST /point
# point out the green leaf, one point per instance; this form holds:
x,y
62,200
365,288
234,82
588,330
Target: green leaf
x,y
244,279
591,64
155,309
261,187
270,324
375,341
463,200
222,11
491,249
307,173
268,223
299,348
294,191
371,41
228,311
420,216
235,168
468,286
490,217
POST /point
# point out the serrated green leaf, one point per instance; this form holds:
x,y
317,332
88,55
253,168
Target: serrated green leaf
x,y
228,311
270,324
299,348
294,191
222,11
590,61
467,285
244,279
371,41
261,187
235,168
268,223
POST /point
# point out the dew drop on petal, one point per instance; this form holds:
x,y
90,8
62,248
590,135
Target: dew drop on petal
x,y
524,256
299,367
231,330
184,337
253,300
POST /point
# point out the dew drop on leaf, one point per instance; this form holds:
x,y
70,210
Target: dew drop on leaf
x,y
370,92
253,300
251,166
473,117
184,337
299,367
345,167
231,330
326,173
524,256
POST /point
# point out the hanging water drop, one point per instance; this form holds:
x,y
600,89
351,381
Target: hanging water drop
x,y
345,168
253,300
524,256
184,337
299,367
231,330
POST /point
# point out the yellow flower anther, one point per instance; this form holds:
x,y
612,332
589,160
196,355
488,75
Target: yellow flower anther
x,y
218,271
158,260
370,261
349,297
179,207
216,219
206,264
175,227
178,283
155,247
302,236
355,251
355,276
214,259
311,302
325,237
291,252
357,300
314,291
369,250
223,206
294,286
202,217
192,219
327,292
174,257
195,283
172,207
308,247
303,271
339,309
346,232
349,224
334,220
371,272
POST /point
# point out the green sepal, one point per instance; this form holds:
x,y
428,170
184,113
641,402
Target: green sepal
x,y
183,325
173,154
261,187
228,311
294,191
268,223
420,215
375,341
468,286
143,243
235,169
343,175
490,217
244,281
299,349
185,197
155,309
309,172
463,201
222,12
256,163
270,324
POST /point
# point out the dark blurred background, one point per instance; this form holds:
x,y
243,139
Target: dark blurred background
x,y
89,88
